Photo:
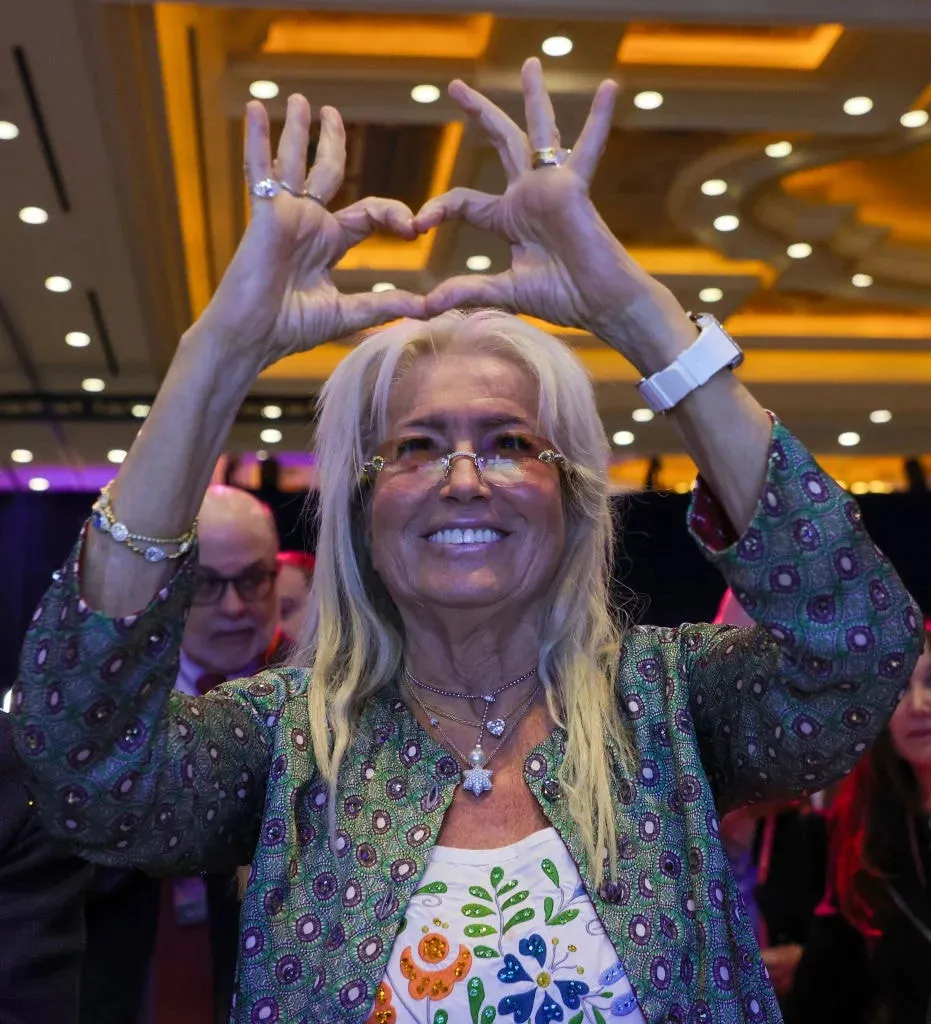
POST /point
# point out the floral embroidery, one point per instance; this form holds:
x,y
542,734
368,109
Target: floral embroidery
x,y
383,1012
436,984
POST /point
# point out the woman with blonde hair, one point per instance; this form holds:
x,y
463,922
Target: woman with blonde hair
x,y
477,796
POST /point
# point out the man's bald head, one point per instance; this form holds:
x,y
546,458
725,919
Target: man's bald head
x,y
228,511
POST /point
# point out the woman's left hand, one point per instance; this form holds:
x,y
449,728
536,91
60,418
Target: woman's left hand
x,y
567,267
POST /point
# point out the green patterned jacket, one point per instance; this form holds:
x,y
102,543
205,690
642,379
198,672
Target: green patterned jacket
x,y
133,773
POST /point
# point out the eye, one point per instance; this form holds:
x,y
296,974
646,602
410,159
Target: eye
x,y
510,444
414,449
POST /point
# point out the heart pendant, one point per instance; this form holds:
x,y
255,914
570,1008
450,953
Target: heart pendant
x,y
496,726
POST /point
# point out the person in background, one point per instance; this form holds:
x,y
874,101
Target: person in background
x,y
778,853
41,908
869,956
232,631
295,575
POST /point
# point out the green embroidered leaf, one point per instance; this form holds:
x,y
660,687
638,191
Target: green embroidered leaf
x,y
440,1017
549,869
518,897
577,1019
476,991
476,931
522,915
433,888
476,910
507,887
598,1018
548,907
605,995
485,952
488,1015
496,875
479,892
565,917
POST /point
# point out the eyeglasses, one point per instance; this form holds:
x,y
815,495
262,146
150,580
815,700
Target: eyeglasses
x,y
252,585
504,460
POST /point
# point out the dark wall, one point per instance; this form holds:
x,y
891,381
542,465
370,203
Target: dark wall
x,y
658,559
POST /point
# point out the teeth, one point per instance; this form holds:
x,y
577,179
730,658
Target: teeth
x,y
465,536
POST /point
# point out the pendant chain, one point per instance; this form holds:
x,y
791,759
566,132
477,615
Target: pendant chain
x,y
489,698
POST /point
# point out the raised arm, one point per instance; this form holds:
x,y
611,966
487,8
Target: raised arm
x,y
125,769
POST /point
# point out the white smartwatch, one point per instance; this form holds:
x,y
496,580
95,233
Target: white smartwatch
x,y
712,351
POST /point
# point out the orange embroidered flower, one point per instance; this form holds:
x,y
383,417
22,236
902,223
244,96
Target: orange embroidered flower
x,y
433,948
383,1012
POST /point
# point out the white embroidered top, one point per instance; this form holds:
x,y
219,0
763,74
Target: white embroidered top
x,y
506,935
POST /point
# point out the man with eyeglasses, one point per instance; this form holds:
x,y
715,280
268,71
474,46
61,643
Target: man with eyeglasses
x,y
231,632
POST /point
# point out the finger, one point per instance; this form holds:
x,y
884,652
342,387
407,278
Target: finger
x,y
368,215
541,118
368,309
326,175
505,135
257,151
291,162
468,204
594,137
471,290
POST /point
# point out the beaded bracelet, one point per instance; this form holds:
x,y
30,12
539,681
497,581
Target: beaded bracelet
x,y
151,548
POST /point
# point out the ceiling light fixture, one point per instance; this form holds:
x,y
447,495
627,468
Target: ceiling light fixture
x,y
116,455
141,410
857,106
261,455
848,439
914,119
642,415
650,99
479,263
799,251
33,215
880,416
21,455
778,150
711,295
861,280
270,435
383,286
38,483
8,131
58,284
77,339
271,412
623,438
557,46
714,187
727,222
264,89
93,384
425,94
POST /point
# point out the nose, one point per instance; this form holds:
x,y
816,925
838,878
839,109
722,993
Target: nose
x,y
464,480
231,603
921,699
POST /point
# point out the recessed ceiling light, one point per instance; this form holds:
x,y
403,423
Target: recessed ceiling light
x,y
116,455
777,150
270,435
38,483
141,410
261,455
271,412
58,284
77,339
263,89
93,384
856,106
33,215
623,438
848,439
711,295
859,487
425,94
557,46
714,187
880,416
21,455
8,131
914,119
861,280
478,262
383,286
642,415
727,222
799,250
648,100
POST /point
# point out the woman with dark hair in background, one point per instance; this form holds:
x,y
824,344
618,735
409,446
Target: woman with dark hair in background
x,y
868,959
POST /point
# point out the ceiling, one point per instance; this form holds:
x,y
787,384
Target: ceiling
x,y
129,119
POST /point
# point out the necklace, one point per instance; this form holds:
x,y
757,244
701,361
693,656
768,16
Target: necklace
x,y
476,778
496,726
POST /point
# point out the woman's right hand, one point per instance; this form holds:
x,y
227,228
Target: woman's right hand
x,y
277,296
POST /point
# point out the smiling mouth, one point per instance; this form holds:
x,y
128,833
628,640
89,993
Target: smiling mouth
x,y
456,537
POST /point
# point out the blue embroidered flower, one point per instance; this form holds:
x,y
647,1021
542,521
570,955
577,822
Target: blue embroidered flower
x,y
521,1005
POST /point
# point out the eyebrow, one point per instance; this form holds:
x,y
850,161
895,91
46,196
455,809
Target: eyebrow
x,y
441,424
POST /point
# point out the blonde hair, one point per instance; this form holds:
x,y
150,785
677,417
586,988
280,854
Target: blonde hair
x,y
353,638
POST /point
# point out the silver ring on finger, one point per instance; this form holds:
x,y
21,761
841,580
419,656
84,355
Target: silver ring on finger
x,y
303,194
267,188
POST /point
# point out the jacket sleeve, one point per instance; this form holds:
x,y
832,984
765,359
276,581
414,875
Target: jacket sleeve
x,y
126,770
789,706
